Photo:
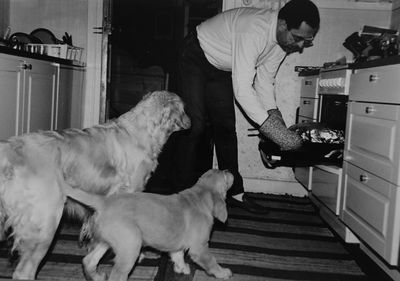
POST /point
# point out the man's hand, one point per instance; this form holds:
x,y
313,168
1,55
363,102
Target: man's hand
x,y
274,128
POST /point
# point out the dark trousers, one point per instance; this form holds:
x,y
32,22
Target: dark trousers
x,y
209,101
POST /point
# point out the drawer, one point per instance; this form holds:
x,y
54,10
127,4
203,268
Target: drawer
x,y
377,84
372,137
303,175
308,107
370,210
309,87
326,185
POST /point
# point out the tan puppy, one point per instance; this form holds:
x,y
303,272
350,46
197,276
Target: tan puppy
x,y
174,224
118,156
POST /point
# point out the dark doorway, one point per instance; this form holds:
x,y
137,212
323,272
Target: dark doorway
x,y
144,42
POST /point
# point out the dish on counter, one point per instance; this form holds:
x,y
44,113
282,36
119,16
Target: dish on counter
x,y
23,38
45,36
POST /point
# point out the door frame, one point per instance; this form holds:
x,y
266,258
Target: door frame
x,y
98,29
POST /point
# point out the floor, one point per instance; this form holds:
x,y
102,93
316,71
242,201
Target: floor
x,y
291,242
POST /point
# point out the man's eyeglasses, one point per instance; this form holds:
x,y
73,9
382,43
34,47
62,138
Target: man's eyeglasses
x,y
307,42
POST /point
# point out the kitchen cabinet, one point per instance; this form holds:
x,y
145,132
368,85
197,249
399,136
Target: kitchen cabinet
x,y
324,99
371,205
38,95
28,90
69,103
11,94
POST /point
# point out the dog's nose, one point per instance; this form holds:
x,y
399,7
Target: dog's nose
x,y
186,123
229,178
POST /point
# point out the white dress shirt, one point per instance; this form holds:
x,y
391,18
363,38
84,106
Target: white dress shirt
x,y
243,41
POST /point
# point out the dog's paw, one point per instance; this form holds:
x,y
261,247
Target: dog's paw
x,y
224,273
100,277
182,268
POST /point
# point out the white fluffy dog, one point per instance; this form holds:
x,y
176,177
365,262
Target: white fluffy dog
x,y
105,159
171,223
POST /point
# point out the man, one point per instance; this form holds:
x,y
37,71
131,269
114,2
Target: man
x,y
236,55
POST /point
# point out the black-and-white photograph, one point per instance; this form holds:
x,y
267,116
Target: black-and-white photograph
x,y
200,140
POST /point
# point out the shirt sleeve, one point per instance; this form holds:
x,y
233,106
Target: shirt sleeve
x,y
253,83
264,81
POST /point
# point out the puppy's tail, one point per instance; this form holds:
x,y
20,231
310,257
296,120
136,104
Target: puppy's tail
x,y
91,200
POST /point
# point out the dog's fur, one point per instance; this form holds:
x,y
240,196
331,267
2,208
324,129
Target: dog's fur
x,y
104,159
171,223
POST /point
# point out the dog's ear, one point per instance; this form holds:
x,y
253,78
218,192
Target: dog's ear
x,y
219,210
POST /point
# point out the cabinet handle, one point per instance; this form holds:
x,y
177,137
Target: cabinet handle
x,y
373,78
306,102
308,82
364,178
370,109
26,66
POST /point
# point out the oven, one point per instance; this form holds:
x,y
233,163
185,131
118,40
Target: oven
x,y
318,166
326,178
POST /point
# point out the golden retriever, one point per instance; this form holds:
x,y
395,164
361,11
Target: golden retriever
x,y
105,159
171,223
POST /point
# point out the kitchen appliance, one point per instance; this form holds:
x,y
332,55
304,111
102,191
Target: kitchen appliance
x,y
333,90
320,164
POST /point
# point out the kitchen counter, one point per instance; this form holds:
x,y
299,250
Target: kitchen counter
x,y
375,63
20,53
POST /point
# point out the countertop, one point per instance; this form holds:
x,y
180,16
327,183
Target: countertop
x,y
20,53
375,63
359,65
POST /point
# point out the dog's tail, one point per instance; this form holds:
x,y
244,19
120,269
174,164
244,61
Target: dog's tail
x,y
91,200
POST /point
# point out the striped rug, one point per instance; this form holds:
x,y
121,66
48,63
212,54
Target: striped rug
x,y
291,242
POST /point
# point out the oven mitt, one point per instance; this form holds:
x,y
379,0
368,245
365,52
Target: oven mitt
x,y
274,128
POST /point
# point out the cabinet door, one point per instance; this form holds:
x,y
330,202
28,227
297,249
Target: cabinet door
x,y
77,97
41,90
371,210
308,107
304,176
63,107
309,87
11,105
70,110
372,139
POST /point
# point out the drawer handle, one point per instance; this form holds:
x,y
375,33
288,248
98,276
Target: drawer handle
x,y
370,109
308,82
306,102
364,178
373,78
